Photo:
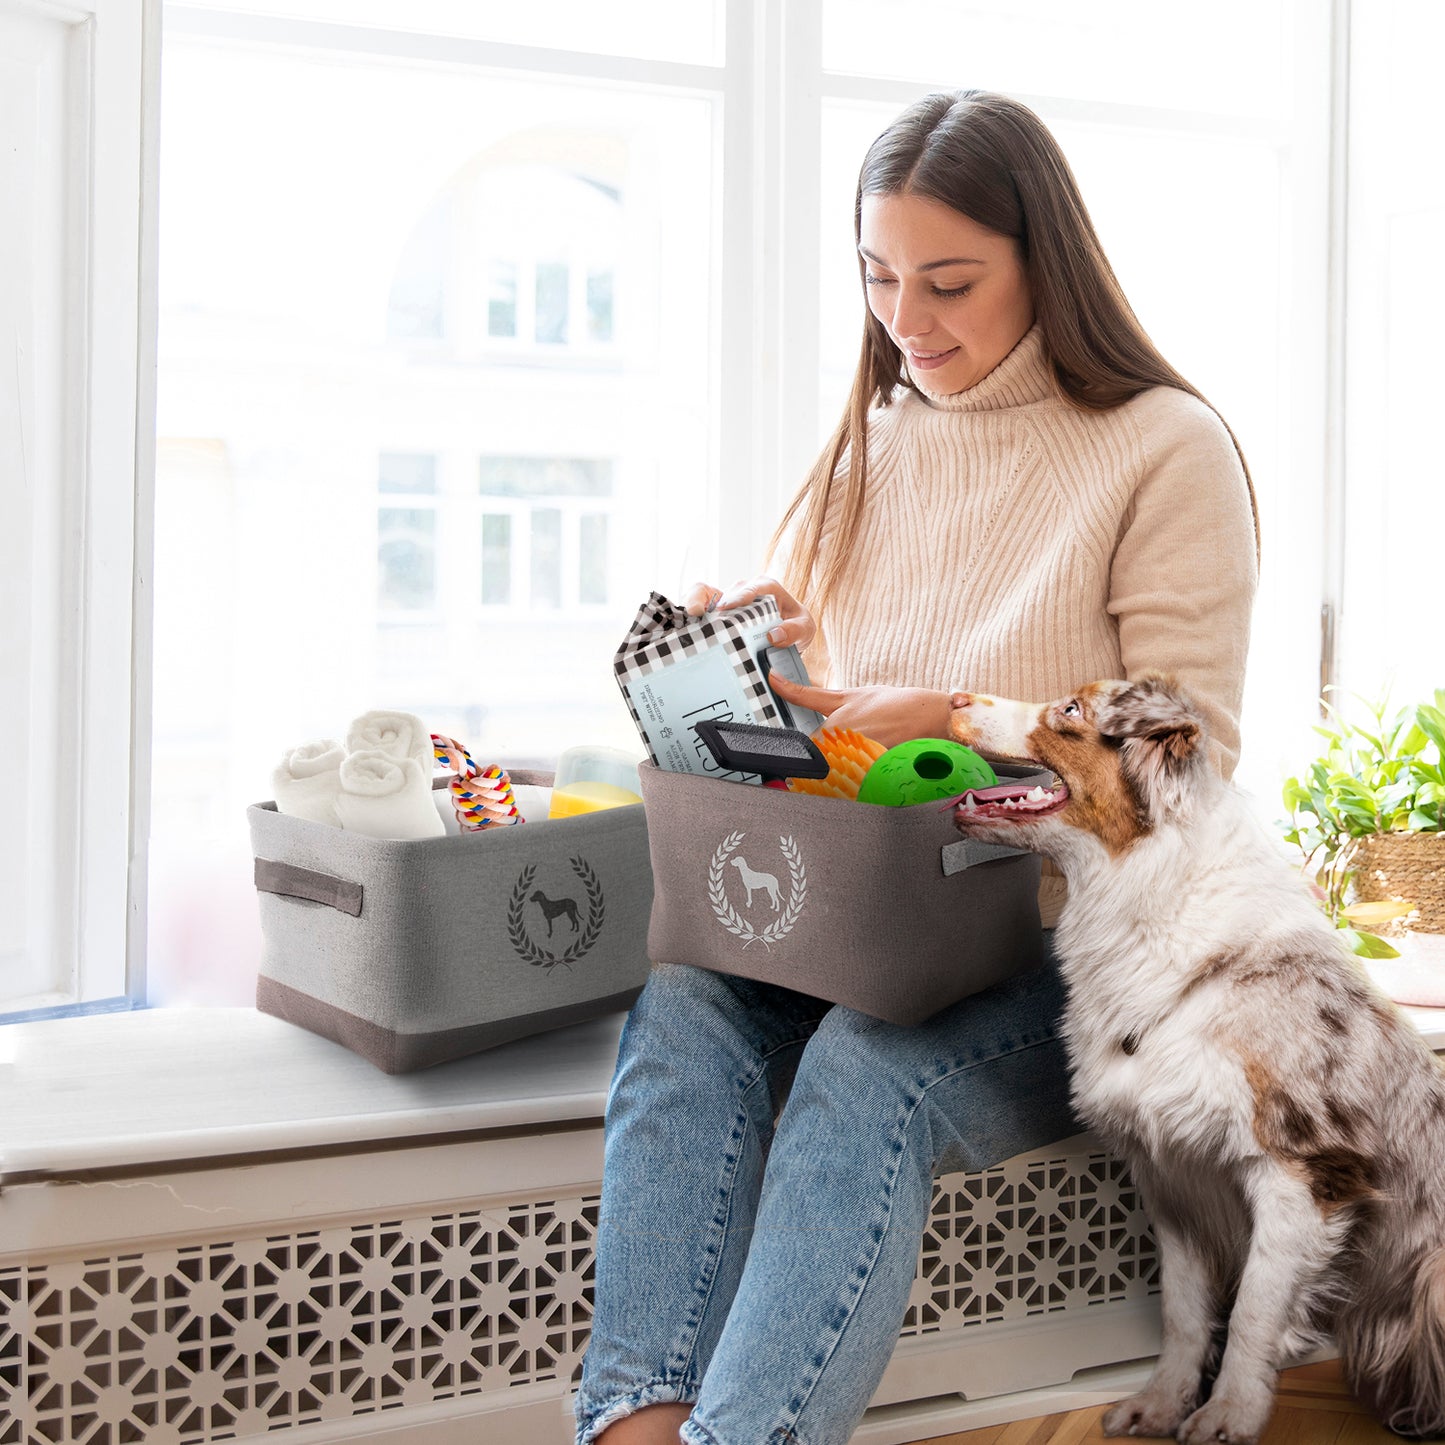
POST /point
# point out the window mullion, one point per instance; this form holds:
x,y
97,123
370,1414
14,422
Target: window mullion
x,y
797,191
768,314
1332,508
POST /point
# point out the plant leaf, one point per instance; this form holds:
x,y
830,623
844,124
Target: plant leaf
x,y
1369,945
1371,915
1294,793
1414,741
1432,721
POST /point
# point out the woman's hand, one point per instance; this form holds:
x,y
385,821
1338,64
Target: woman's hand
x,y
797,627
888,715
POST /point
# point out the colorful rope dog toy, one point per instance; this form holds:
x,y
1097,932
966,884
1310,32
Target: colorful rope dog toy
x,y
482,797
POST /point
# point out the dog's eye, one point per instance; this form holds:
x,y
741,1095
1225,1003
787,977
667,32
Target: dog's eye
x,y
1072,709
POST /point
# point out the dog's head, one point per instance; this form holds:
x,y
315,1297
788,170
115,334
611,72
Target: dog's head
x,y
1127,753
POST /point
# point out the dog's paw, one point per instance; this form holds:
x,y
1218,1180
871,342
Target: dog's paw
x,y
1149,1415
1231,1421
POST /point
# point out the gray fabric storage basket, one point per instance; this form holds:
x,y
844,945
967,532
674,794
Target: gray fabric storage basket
x,y
887,910
413,953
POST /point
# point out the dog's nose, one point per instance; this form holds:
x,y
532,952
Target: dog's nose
x,y
961,699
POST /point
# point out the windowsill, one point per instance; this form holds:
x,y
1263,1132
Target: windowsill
x,y
122,1091
118,1091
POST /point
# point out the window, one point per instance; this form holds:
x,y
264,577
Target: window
x,y
542,543
416,376
599,306
479,327
551,313
75,436
502,300
492,320
1386,572
557,509
542,239
406,536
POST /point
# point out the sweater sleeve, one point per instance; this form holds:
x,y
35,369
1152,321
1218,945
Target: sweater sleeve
x,y
1184,571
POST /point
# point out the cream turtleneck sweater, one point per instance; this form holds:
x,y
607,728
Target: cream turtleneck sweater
x,y
1012,543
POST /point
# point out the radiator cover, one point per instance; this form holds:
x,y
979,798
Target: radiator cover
x,y
252,1332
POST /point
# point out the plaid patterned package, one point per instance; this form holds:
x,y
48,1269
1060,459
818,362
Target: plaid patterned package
x,y
675,670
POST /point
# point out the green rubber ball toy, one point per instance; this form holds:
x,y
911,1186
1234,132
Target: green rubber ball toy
x,y
924,771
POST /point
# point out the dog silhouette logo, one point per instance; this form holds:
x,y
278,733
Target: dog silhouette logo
x,y
555,908
763,891
530,907
752,880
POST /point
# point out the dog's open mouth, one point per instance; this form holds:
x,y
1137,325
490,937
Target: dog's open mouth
x,y
1010,800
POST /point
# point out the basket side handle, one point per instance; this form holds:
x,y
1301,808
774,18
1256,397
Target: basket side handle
x,y
289,881
968,853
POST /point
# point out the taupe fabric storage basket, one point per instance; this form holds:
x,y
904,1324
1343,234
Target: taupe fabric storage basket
x,y
413,953
887,910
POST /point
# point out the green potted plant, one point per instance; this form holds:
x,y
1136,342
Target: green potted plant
x,y
1369,816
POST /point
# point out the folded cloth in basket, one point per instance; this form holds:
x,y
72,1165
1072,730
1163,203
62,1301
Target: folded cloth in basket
x,y
397,734
387,797
307,781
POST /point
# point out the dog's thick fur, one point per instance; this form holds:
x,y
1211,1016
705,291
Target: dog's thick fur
x,y
1285,1125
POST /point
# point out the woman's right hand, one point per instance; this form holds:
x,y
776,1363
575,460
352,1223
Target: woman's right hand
x,y
796,628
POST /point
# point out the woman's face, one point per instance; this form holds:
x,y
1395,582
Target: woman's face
x,y
952,294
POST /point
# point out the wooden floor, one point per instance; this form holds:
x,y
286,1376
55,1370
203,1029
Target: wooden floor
x,y
1313,1407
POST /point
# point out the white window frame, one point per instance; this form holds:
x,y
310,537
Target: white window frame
x,y
767,147
90,724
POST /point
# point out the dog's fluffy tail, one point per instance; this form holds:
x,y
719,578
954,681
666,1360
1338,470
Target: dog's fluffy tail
x,y
1392,1342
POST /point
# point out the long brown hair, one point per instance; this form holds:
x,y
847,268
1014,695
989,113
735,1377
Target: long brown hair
x,y
994,161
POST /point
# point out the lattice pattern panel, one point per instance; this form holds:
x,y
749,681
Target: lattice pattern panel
x,y
240,1337
1031,1238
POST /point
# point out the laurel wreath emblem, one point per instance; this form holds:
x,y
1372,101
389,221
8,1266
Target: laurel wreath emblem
x,y
731,919
521,940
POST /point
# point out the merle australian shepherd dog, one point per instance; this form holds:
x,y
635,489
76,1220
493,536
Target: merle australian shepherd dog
x,y
1284,1124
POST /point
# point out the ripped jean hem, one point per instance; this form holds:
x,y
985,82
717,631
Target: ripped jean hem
x,y
655,1392
693,1433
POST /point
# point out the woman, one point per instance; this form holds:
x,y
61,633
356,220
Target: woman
x,y
1022,496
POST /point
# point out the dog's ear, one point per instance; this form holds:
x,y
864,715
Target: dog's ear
x,y
1155,709
1161,734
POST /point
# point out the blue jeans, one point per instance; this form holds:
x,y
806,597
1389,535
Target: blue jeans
x,y
768,1175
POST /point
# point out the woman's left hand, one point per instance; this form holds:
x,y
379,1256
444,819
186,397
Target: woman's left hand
x,y
888,715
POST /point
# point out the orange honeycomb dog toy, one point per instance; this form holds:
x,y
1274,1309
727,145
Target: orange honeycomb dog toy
x,y
849,756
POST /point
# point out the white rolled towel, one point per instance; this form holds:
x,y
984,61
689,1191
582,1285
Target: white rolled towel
x,y
387,797
397,734
307,780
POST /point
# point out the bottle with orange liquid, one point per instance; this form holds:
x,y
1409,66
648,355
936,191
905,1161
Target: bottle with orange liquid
x,y
590,778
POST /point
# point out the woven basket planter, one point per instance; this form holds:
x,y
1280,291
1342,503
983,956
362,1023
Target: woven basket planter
x,y
1404,867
